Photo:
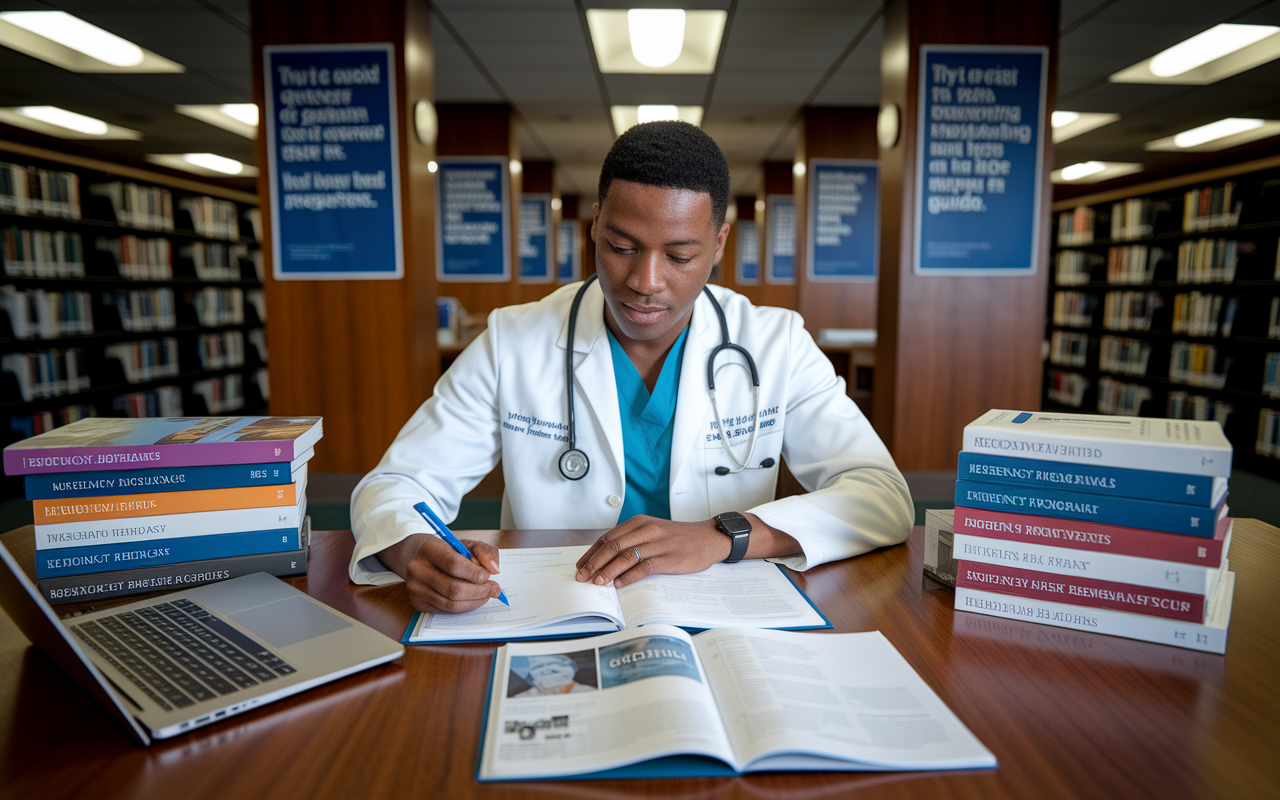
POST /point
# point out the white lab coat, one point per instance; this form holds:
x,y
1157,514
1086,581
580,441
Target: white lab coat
x,y
504,399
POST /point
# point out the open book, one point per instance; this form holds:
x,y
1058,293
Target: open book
x,y
546,602
662,703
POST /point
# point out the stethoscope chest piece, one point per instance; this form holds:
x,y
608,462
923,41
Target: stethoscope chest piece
x,y
574,464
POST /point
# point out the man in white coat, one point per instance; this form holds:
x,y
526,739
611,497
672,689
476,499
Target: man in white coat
x,y
683,477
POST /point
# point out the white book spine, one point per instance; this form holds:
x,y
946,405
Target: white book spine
x,y
1211,637
1172,575
1178,457
166,526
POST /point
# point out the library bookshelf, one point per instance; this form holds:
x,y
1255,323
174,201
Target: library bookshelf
x,y
1164,301
124,292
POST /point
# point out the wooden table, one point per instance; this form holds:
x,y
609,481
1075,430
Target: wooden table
x,y
1067,714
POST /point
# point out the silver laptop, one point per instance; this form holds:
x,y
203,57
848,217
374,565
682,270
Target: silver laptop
x,y
173,663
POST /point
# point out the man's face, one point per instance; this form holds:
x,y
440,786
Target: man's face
x,y
655,248
548,672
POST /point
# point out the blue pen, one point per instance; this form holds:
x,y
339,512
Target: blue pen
x,y
443,531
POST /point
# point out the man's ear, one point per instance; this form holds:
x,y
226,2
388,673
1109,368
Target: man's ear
x,y
595,217
720,242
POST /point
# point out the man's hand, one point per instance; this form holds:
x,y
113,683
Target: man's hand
x,y
440,580
674,548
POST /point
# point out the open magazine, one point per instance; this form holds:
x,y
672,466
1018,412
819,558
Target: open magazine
x,y
546,602
662,703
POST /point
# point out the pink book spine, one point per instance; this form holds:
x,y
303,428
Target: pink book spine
x,y
1094,536
1081,591
31,461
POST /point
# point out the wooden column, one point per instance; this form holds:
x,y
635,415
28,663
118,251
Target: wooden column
x,y
538,177
362,354
844,132
578,208
484,129
778,179
950,348
746,210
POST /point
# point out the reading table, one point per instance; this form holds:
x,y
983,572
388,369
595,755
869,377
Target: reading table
x,y
1067,714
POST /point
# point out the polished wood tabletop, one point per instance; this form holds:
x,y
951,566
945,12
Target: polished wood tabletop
x,y
1067,714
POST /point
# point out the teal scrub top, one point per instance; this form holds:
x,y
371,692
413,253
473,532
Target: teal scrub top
x,y
647,424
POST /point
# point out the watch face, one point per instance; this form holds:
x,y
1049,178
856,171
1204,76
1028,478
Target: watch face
x,y
733,523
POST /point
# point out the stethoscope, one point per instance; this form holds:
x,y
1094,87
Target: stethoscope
x,y
574,463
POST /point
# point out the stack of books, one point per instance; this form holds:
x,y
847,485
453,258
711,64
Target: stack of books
x,y
124,506
1116,525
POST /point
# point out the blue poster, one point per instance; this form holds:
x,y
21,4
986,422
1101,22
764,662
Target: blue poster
x,y
844,220
748,253
333,166
535,239
568,251
780,257
981,147
473,241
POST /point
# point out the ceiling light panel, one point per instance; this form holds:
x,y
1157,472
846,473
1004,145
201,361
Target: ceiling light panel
x,y
1093,171
232,117
64,124
1216,136
611,37
209,164
626,116
1207,57
1070,124
71,43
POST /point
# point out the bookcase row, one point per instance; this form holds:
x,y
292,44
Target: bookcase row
x,y
36,253
1194,261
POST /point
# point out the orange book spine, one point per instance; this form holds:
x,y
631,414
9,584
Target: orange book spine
x,y
84,509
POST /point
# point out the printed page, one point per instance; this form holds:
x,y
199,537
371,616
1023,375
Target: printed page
x,y
831,701
749,594
539,583
570,708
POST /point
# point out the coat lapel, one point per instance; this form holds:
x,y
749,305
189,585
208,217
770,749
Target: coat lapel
x,y
596,392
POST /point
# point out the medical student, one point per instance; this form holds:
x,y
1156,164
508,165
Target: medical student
x,y
598,400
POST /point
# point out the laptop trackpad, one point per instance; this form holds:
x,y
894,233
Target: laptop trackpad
x,y
289,621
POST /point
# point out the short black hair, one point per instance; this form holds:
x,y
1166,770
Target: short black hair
x,y
673,155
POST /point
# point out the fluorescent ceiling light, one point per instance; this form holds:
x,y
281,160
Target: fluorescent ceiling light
x,y
1093,171
54,121
1208,46
656,34
239,118
1207,57
613,38
1070,124
204,164
626,116
1217,135
76,45
65,119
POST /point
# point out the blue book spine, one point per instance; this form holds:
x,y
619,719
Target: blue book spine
x,y
1166,487
55,486
109,557
1123,511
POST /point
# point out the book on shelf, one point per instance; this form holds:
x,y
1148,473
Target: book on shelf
x,y
42,254
1268,443
1088,592
1210,208
1123,355
47,373
1092,537
56,486
1076,226
1125,512
556,710
1066,388
1181,405
33,190
1117,569
1205,491
548,602
114,443
162,401
1119,397
41,314
1209,636
1162,445
119,583
136,206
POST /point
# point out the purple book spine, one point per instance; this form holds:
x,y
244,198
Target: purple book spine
x,y
30,461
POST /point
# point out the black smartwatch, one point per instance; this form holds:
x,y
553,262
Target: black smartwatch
x,y
738,529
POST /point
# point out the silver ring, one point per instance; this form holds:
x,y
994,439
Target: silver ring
x,y
639,557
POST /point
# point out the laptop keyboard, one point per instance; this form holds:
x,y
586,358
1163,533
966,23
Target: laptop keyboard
x,y
179,654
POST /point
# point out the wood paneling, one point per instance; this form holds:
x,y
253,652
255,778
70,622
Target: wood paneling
x,y
538,177
362,354
950,348
826,132
777,180
483,129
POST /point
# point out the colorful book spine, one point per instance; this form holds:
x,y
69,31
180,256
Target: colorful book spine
x,y
1165,487
1186,447
69,535
1081,591
104,585
1122,511
1097,566
157,552
1095,538
1209,637
48,512
203,454
60,485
